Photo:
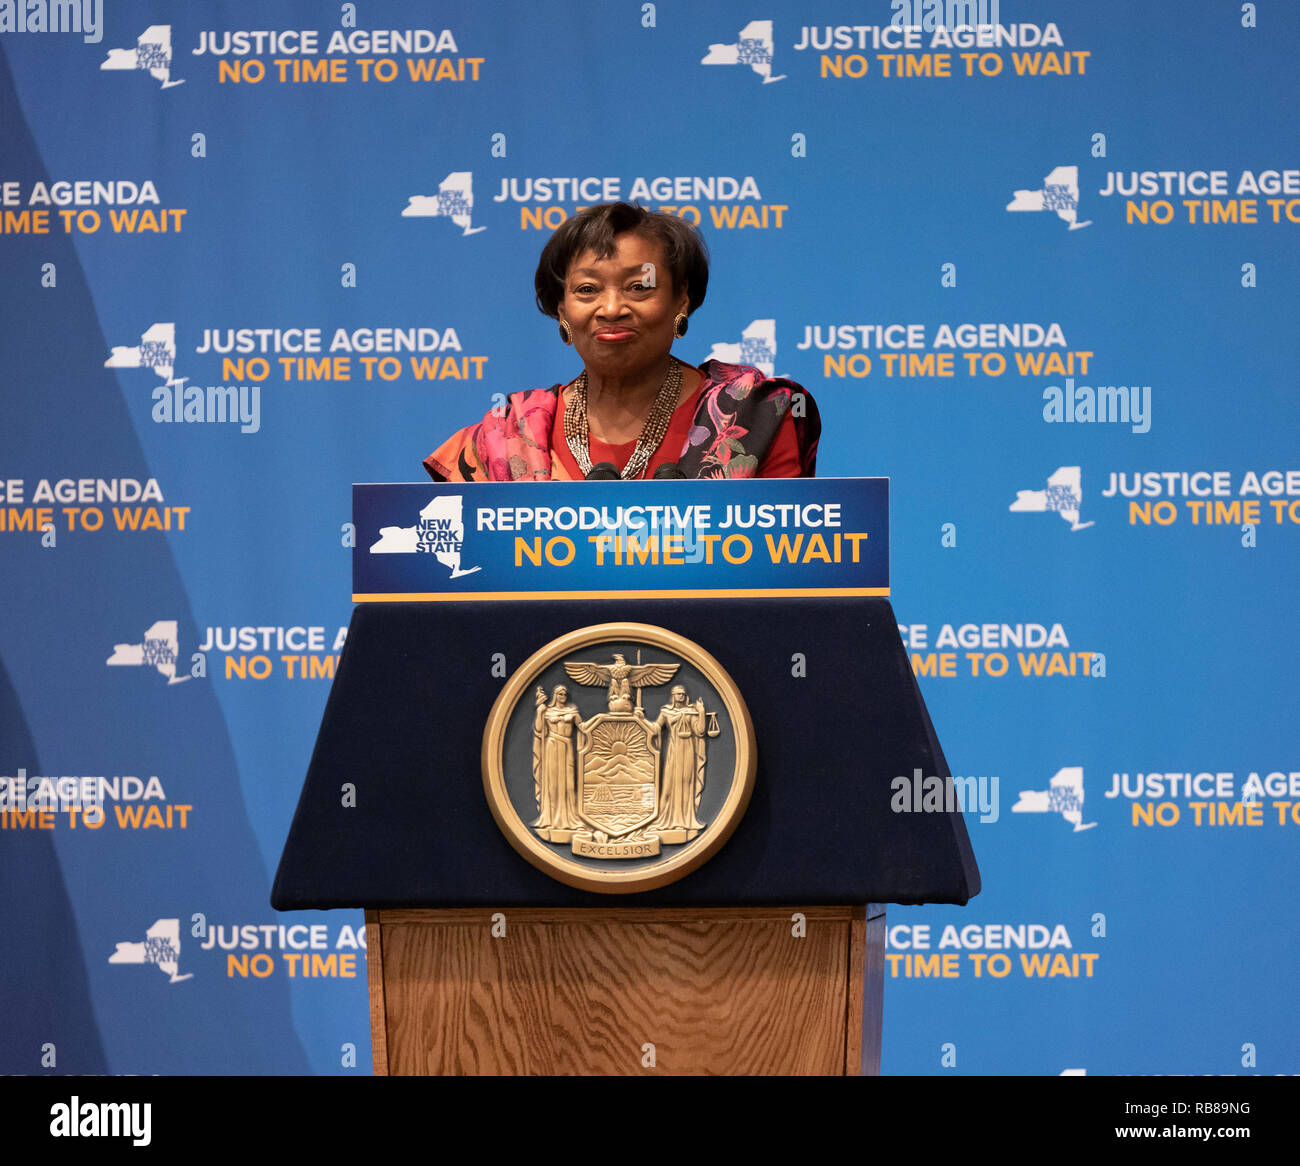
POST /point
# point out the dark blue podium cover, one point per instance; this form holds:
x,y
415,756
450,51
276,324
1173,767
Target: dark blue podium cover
x,y
404,728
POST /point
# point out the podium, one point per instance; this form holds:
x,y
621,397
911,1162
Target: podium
x,y
586,990
766,958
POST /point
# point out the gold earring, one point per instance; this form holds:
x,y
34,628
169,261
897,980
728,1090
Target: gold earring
x,y
680,324
566,333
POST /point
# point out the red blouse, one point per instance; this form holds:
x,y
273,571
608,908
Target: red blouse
x,y
780,461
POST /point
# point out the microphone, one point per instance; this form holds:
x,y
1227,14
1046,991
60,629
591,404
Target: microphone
x,y
603,472
668,470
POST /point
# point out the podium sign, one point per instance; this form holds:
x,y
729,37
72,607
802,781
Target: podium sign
x,y
668,539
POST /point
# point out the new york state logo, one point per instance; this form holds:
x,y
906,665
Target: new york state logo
x,y
631,795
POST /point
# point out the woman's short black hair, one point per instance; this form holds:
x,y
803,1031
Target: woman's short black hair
x,y
595,229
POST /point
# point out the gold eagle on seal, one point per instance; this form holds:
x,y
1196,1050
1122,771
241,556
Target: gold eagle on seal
x,y
621,677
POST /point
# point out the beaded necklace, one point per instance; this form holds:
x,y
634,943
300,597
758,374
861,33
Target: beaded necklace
x,y
656,425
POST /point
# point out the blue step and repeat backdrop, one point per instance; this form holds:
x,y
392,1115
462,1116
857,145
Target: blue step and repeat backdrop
x,y
1042,275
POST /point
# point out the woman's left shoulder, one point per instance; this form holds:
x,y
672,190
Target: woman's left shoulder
x,y
741,381
743,412
744,378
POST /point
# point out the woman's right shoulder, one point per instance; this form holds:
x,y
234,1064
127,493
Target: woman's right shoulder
x,y
507,440
455,460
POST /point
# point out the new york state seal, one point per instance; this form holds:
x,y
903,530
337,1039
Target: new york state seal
x,y
619,757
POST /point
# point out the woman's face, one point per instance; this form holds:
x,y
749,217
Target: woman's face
x,y
621,308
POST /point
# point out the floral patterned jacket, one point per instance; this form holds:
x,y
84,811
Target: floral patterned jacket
x,y
738,416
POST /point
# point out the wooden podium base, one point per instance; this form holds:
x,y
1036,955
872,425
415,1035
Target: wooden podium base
x,y
625,991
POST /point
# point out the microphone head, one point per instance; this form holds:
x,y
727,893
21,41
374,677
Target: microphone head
x,y
603,472
668,470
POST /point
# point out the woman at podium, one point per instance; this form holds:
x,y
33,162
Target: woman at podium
x,y
622,282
